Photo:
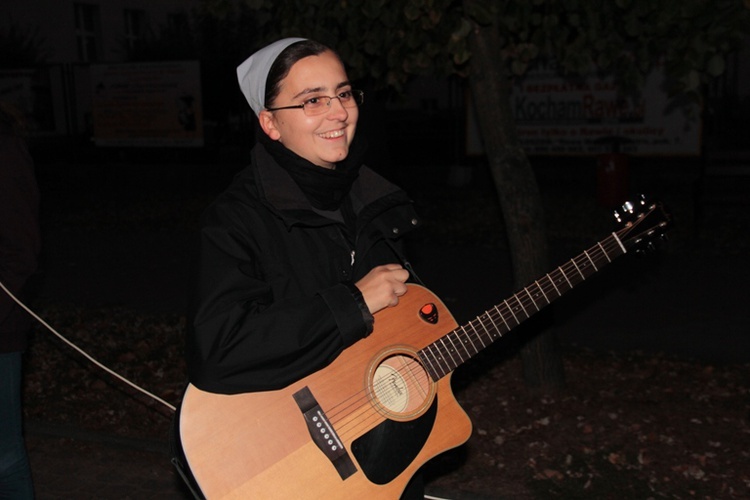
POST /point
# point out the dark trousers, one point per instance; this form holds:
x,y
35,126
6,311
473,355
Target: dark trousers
x,y
15,473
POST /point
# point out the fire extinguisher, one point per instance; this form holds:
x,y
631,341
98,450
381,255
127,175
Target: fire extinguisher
x,y
612,175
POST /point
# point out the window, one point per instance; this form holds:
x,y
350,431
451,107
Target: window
x,y
87,31
178,23
135,27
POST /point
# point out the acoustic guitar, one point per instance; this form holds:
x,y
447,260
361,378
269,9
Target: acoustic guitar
x,y
363,425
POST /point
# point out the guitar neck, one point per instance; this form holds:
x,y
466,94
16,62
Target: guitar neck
x,y
452,350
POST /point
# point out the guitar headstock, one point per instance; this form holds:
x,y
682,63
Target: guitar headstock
x,y
644,222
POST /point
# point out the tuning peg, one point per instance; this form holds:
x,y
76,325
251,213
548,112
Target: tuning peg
x,y
646,248
627,208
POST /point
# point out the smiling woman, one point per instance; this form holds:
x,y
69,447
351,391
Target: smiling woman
x,y
317,127
303,248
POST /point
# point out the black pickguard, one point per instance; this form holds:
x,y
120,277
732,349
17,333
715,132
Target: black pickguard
x,y
388,449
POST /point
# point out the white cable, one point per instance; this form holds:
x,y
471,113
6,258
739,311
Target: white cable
x,y
84,353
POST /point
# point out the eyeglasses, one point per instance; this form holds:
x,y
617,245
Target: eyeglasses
x,y
320,104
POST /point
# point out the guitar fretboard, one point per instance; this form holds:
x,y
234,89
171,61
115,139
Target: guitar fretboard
x,y
450,351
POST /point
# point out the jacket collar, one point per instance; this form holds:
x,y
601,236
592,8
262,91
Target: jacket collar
x,y
277,189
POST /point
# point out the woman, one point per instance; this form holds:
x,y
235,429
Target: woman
x,y
300,252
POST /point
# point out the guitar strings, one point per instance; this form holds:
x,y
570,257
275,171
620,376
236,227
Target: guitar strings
x,y
504,317
84,353
597,256
366,416
572,273
359,409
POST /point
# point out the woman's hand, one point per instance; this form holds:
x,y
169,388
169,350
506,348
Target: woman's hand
x,y
382,286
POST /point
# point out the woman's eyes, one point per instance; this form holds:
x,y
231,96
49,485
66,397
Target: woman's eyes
x,y
321,100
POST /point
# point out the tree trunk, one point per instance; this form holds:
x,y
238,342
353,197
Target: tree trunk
x,y
517,190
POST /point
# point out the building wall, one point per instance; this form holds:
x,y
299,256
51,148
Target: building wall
x,y
743,70
54,20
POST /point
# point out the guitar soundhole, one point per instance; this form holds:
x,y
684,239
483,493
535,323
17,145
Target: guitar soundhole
x,y
400,386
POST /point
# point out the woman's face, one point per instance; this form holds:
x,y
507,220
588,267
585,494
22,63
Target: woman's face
x,y
322,139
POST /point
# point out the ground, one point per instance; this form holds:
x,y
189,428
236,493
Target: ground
x,y
629,425
625,426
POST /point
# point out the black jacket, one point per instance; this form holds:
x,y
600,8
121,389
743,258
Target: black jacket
x,y
273,300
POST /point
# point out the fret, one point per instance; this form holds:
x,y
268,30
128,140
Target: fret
x,y
578,268
468,337
502,318
479,335
511,312
455,349
440,359
604,252
541,290
559,294
532,298
562,279
518,301
494,325
592,262
466,340
566,277
442,340
427,363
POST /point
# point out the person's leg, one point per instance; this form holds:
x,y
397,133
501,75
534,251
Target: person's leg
x,y
15,473
415,488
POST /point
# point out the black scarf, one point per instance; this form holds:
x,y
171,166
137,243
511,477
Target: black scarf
x,y
324,188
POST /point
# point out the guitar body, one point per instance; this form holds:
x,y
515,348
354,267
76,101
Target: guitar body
x,y
381,417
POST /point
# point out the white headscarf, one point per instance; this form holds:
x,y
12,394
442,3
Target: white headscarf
x,y
253,73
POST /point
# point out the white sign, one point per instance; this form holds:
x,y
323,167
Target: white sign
x,y
555,116
147,104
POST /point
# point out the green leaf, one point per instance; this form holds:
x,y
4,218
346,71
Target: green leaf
x,y
461,56
715,65
692,81
518,68
371,10
463,30
479,12
412,11
633,26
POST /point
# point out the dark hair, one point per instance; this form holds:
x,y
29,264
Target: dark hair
x,y
284,62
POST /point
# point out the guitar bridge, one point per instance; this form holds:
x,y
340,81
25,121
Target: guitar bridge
x,y
323,434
